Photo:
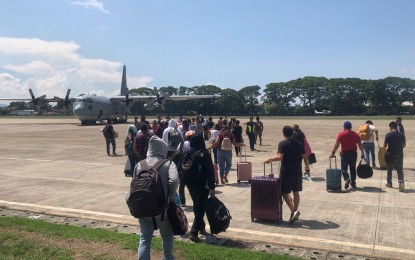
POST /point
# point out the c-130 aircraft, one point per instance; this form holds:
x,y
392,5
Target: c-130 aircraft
x,y
92,108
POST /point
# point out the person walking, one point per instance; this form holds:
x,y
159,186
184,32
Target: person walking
x,y
213,137
299,136
224,144
250,132
110,135
291,153
157,150
259,128
401,129
395,142
200,181
129,147
349,141
237,131
369,144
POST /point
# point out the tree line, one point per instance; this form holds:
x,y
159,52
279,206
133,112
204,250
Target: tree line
x,y
341,96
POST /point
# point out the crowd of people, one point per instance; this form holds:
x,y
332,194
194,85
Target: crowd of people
x,y
165,137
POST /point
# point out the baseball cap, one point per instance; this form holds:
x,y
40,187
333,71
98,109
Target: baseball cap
x,y
347,124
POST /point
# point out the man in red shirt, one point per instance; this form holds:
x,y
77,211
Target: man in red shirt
x,y
141,142
348,140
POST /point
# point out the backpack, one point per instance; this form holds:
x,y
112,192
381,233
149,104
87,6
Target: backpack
x,y
178,219
106,131
226,144
147,198
175,139
364,132
191,167
218,215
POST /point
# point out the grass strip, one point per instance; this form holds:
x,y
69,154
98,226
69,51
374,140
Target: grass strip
x,y
16,246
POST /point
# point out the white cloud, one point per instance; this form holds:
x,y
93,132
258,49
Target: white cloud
x,y
51,67
92,4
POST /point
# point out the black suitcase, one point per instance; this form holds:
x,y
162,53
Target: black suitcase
x,y
266,198
217,214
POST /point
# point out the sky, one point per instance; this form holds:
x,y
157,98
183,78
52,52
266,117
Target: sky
x,y
53,45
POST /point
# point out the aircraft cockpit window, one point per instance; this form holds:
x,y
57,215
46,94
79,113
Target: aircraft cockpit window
x,y
89,100
79,100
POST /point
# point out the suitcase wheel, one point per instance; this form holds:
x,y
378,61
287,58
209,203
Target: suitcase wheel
x,y
238,181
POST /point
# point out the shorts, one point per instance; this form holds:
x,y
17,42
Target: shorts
x,y
291,183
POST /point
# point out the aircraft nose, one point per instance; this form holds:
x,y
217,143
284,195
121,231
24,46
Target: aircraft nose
x,y
78,110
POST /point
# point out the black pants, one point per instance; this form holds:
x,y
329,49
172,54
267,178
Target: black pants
x,y
199,196
110,141
181,192
251,137
133,161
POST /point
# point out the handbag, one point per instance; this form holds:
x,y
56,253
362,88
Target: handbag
x,y
178,219
312,158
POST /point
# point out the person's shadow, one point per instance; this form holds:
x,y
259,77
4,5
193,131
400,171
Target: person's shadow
x,y
370,189
302,223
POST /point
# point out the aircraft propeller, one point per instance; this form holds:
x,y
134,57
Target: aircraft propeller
x,y
160,100
35,100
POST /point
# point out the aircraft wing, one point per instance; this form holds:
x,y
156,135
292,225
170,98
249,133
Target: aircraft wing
x,y
187,97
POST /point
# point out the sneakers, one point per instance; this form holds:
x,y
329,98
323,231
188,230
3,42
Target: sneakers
x,y
346,185
389,185
195,238
225,177
294,217
401,187
354,185
307,177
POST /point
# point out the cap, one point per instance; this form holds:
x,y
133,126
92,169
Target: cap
x,y
347,124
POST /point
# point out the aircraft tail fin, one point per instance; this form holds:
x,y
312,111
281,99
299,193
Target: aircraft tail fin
x,y
124,88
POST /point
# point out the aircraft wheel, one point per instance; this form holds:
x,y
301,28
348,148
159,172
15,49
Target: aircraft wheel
x,y
83,123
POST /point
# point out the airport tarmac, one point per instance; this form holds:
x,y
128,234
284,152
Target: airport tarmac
x,y
56,166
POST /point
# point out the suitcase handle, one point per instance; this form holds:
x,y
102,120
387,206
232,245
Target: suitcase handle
x,y
271,168
244,153
335,162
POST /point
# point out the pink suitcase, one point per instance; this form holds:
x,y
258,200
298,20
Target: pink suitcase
x,y
266,198
244,170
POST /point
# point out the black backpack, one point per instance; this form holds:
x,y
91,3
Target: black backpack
x,y
175,138
218,215
191,167
147,197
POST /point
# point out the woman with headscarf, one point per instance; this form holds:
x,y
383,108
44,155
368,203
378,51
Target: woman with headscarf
x,y
200,180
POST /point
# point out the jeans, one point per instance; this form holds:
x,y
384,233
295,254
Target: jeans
x,y
146,234
225,162
349,160
397,162
215,155
369,148
199,196
251,137
110,141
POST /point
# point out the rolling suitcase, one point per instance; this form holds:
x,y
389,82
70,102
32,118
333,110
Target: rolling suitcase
x,y
381,157
244,170
334,177
266,198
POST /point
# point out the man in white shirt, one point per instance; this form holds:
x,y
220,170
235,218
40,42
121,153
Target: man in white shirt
x,y
369,145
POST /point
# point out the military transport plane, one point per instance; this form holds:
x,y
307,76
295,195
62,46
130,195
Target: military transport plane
x,y
92,108
323,112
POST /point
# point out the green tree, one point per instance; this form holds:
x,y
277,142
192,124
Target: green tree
x,y
250,96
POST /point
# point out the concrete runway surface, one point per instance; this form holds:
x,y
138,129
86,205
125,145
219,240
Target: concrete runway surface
x,y
56,166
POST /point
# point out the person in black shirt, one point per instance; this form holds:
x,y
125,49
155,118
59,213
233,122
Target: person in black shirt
x,y
395,142
400,126
291,153
237,132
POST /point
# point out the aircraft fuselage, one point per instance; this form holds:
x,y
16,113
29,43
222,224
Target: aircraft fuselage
x,y
91,108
